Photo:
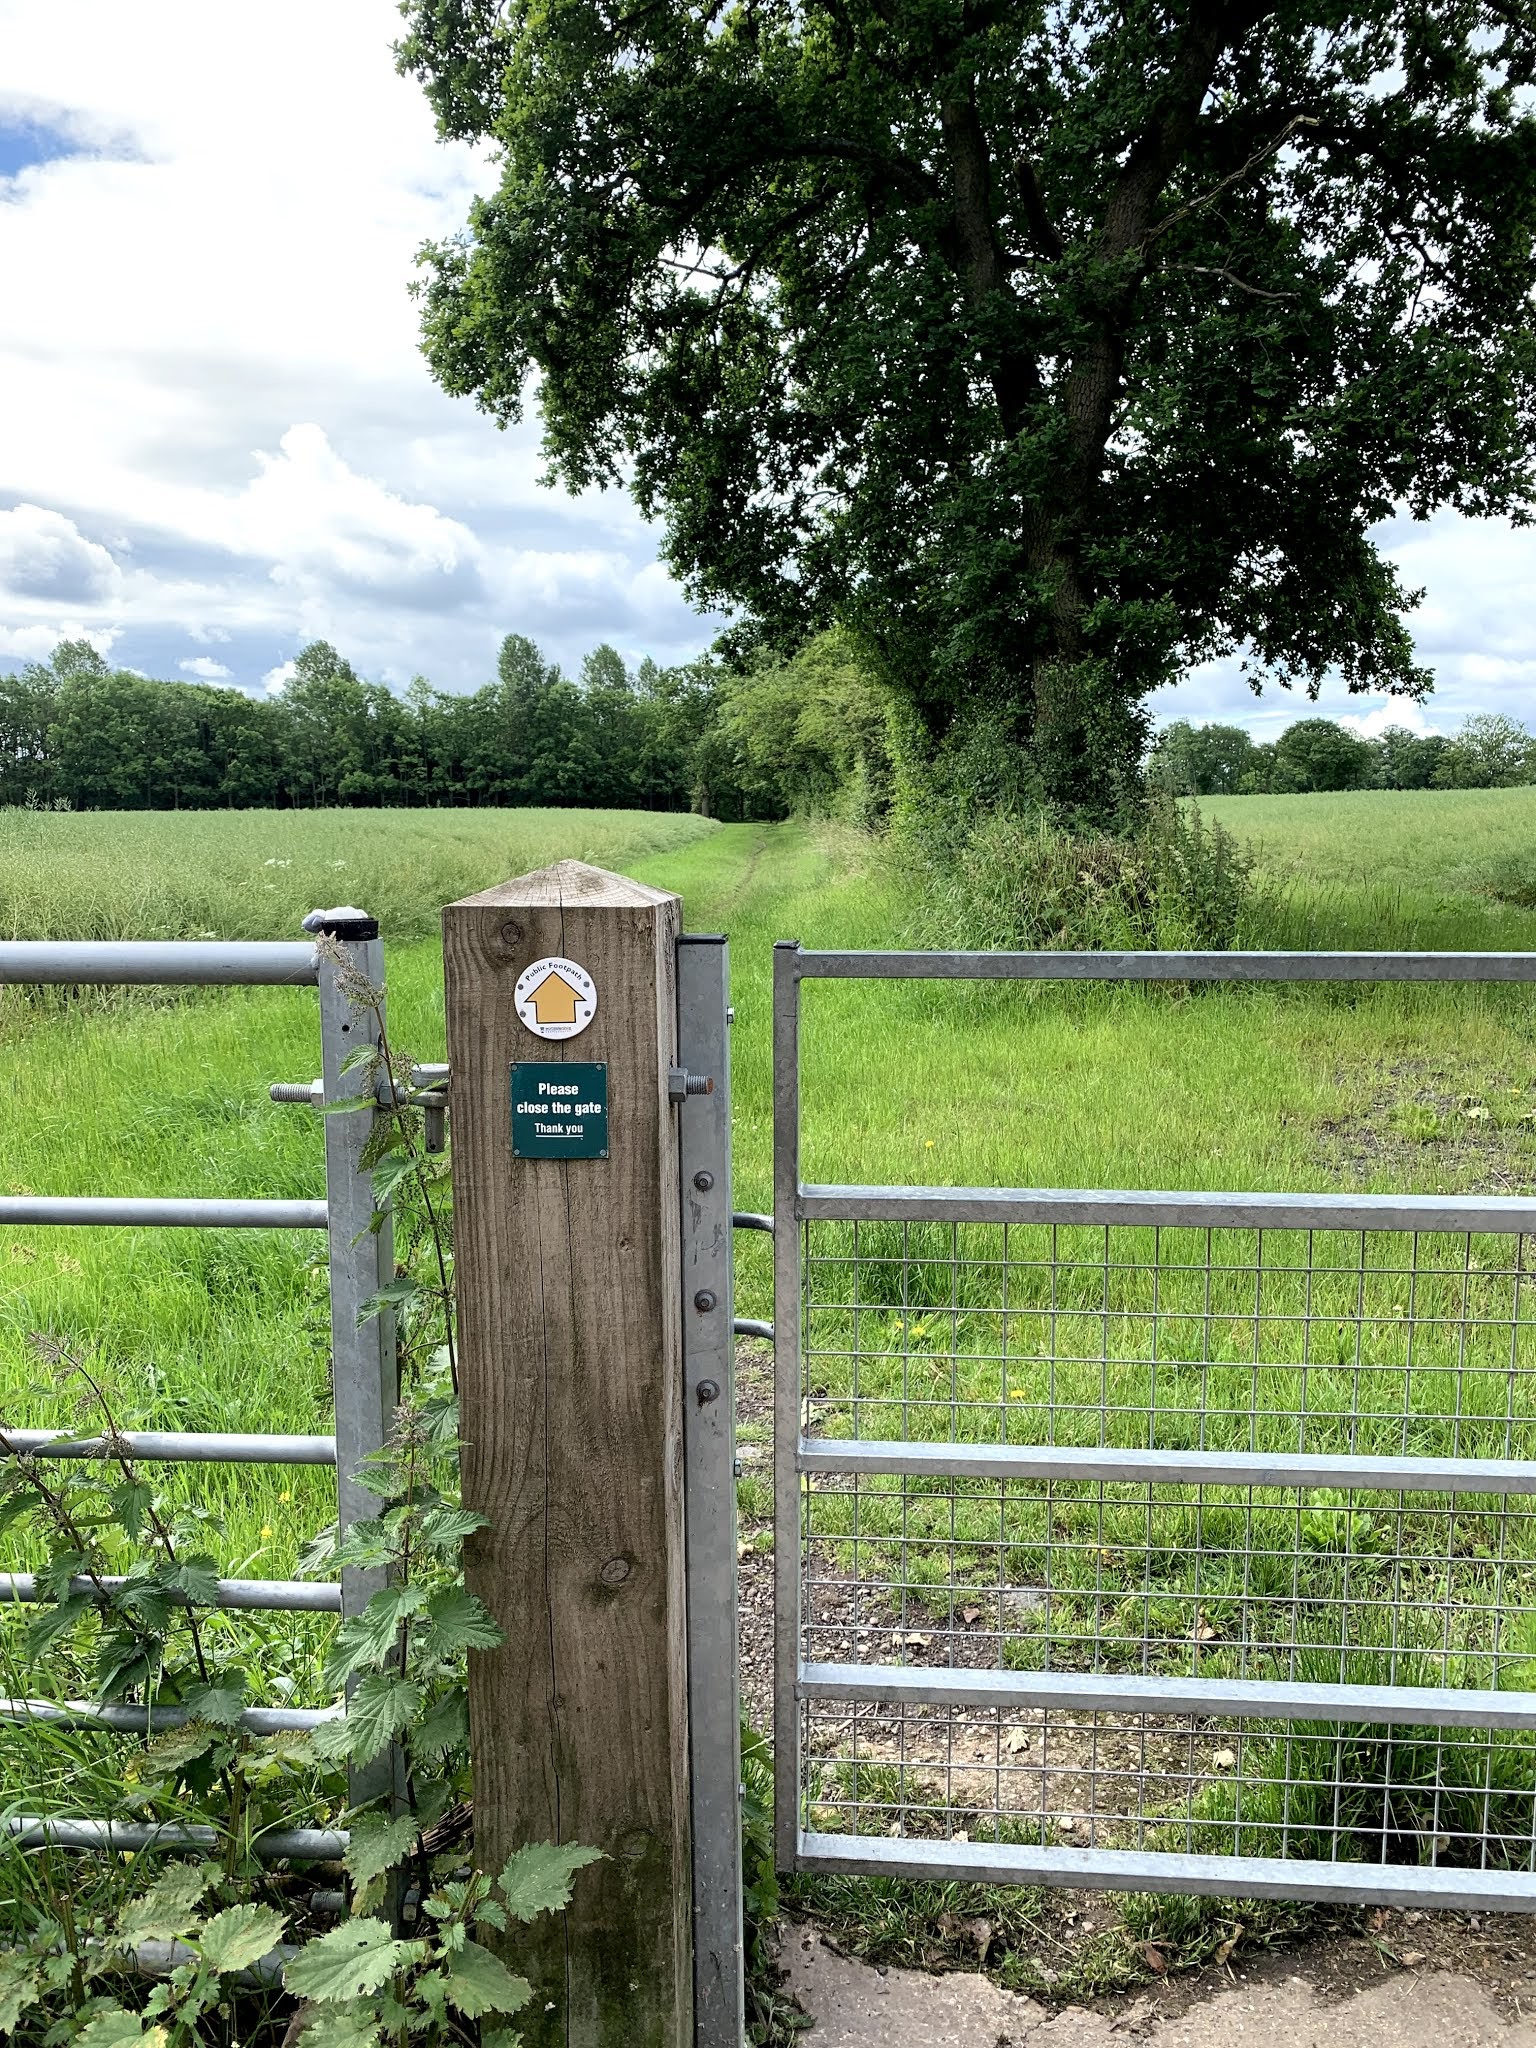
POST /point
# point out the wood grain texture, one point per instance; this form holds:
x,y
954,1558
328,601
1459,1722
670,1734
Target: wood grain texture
x,y
567,1275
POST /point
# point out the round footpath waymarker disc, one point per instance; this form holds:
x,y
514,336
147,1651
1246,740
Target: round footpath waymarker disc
x,y
555,998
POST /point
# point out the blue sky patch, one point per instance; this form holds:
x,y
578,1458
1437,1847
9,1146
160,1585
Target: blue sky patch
x,y
24,143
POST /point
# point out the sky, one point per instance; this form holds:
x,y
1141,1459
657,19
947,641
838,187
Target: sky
x,y
218,438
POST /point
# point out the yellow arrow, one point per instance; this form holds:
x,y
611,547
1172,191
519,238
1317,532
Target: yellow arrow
x,y
554,1000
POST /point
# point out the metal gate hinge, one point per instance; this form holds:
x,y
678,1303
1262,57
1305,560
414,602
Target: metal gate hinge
x,y
680,1084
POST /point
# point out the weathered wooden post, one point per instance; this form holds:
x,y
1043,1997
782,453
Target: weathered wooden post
x,y
561,1011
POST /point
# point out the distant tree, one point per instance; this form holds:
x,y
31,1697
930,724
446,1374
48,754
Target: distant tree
x,y
1489,752
1200,760
805,731
1317,754
1051,348
1407,760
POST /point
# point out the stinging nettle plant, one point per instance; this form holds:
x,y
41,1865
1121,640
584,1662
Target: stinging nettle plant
x,y
211,1948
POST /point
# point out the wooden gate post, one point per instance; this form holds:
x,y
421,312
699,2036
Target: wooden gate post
x,y
570,1363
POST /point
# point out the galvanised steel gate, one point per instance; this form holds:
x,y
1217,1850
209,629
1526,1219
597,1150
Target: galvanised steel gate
x,y
360,1261
1169,1542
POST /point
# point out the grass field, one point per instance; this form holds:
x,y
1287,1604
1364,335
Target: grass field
x,y
1430,1089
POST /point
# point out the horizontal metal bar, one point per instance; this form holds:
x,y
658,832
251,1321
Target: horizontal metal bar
x,y
1145,1870
1064,966
176,1447
751,1219
304,1845
208,963
1342,1469
749,1326
152,1720
1115,1692
153,1212
299,1596
1171,1209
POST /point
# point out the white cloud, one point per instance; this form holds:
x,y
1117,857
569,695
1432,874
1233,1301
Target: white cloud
x,y
276,680
206,669
44,556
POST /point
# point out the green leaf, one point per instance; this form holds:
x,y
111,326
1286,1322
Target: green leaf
x,y
358,1957
388,1174
222,1704
382,1705
461,1622
372,1542
197,1578
168,1908
537,1879
444,1727
445,1528
500,2037
370,1636
177,1746
365,1055
58,1621
240,1936
20,1982
479,1982
341,2030
117,2030
130,1504
18,1501
330,1740
377,1845
394,1294
349,1107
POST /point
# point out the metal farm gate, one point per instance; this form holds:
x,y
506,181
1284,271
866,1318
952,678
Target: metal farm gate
x,y
364,1376
1167,1542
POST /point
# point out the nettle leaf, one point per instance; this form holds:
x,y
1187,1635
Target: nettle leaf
x,y
240,1936
373,1542
177,1747
20,1982
349,1107
358,1957
537,1879
445,1528
479,1982
56,1623
222,1703
461,1622
370,1636
130,1504
336,2029
168,1908
382,1705
117,2030
445,1726
197,1578
388,1174
330,1741
377,1845
16,1502
364,1055
124,1660
63,1566
394,1294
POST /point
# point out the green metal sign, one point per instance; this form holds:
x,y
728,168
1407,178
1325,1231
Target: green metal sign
x,y
559,1109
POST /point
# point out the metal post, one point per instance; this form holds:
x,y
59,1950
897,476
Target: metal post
x,y
364,1375
786,1401
709,1455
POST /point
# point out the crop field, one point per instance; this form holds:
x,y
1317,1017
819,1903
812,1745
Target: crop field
x,y
973,1335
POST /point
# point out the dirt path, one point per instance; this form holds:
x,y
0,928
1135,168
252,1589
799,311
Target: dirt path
x,y
1333,1994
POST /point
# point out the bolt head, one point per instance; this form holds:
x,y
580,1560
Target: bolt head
x,y
703,1181
708,1390
704,1300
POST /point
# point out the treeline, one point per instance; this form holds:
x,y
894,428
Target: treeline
x,y
1489,752
774,738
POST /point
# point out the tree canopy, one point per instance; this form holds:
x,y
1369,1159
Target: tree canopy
x,y
1049,345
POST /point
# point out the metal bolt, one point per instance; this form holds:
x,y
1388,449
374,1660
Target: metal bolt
x,y
703,1181
707,1391
615,1571
704,1300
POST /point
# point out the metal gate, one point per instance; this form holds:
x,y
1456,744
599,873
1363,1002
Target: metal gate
x,y
363,1368
1162,1542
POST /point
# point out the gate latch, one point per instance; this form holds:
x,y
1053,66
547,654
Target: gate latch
x,y
680,1084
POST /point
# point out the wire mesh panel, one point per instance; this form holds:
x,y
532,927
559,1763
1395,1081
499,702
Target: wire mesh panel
x,y
1189,1552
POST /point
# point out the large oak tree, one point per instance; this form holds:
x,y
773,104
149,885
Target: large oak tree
x,y
1049,347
